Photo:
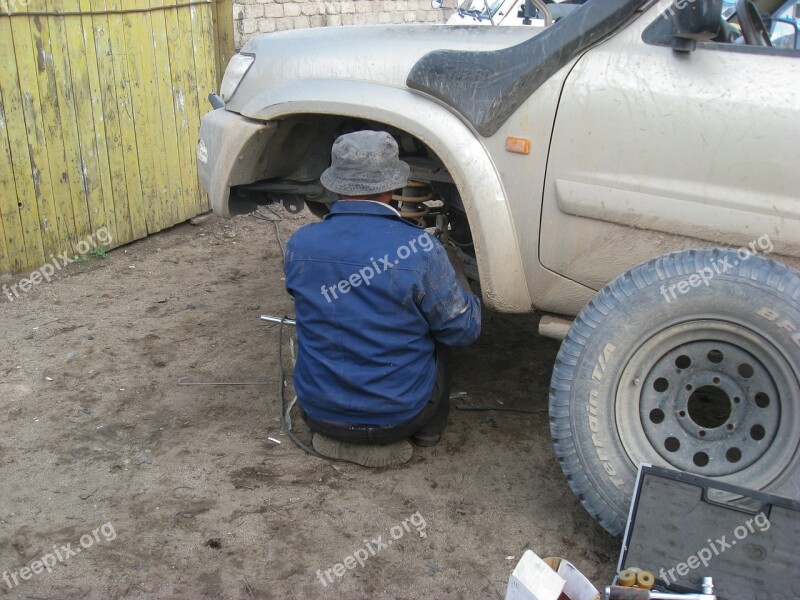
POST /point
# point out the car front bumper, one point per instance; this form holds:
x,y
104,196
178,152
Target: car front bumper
x,y
229,152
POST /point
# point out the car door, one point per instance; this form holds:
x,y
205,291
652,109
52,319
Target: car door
x,y
655,150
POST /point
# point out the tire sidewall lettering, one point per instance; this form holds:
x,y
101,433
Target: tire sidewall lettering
x,y
781,324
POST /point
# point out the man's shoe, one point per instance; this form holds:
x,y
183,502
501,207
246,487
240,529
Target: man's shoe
x,y
426,440
366,455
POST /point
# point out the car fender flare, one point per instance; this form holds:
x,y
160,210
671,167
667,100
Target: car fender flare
x,y
499,261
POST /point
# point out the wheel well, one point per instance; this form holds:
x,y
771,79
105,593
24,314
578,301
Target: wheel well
x,y
292,161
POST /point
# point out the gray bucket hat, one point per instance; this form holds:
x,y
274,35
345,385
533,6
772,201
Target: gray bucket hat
x,y
365,163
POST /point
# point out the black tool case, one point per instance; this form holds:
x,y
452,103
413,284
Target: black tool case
x,y
749,540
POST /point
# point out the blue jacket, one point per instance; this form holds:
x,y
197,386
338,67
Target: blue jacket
x,y
372,292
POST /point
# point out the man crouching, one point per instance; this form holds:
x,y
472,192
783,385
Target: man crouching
x,y
378,302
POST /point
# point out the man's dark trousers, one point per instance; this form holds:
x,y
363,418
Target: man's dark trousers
x,y
430,421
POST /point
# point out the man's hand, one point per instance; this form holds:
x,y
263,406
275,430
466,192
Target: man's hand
x,y
459,269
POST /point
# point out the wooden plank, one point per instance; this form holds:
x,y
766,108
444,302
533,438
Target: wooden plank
x,y
28,210
179,56
215,24
81,86
5,260
223,29
67,116
150,74
30,64
12,246
212,81
138,40
103,172
147,78
129,161
166,104
188,96
56,150
209,45
106,110
205,65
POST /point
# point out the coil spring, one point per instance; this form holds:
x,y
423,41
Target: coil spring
x,y
411,202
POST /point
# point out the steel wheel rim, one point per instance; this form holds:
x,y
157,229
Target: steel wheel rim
x,y
732,440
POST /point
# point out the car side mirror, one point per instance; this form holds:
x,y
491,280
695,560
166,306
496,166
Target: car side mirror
x,y
437,4
784,34
694,20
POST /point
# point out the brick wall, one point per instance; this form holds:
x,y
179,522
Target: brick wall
x,y
252,17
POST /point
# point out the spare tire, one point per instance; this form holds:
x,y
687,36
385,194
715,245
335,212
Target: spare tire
x,y
690,361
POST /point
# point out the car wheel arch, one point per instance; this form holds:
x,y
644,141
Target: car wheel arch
x,y
482,193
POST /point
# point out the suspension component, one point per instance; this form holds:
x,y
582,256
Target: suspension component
x,y
412,200
442,230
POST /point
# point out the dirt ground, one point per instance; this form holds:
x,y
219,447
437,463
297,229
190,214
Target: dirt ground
x,y
186,496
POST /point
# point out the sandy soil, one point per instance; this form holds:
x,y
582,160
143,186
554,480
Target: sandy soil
x,y
186,496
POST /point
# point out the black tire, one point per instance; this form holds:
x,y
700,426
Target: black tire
x,y
318,209
702,377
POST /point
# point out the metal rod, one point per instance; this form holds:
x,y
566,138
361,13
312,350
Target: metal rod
x,y
614,592
182,381
285,320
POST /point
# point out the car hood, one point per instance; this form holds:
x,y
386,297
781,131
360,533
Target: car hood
x,y
379,54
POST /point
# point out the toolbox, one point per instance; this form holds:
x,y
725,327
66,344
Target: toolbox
x,y
683,527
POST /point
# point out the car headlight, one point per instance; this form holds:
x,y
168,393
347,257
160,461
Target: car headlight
x,y
234,74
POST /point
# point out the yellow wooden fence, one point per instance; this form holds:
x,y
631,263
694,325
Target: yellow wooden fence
x,y
100,103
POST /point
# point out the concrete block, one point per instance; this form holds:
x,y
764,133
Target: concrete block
x,y
273,10
249,26
266,25
312,8
291,9
301,22
253,11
